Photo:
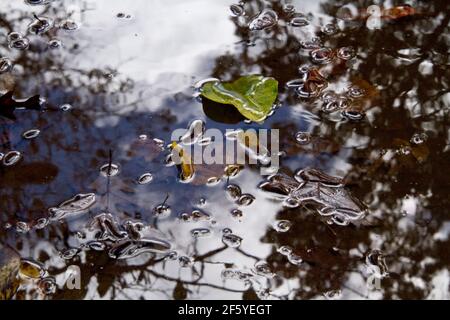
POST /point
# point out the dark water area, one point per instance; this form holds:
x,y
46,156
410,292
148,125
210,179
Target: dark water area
x,y
89,191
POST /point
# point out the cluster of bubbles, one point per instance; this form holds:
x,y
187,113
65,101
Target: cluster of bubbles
x,y
326,193
268,18
25,227
289,253
122,241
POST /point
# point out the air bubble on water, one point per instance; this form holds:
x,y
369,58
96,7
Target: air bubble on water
x,y
285,250
172,255
294,259
227,231
146,178
340,220
31,134
232,170
330,29
346,53
54,44
65,107
234,191
200,233
96,245
231,240
37,2
355,92
265,19
194,216
68,25
322,55
329,96
202,202
299,22
291,202
162,211
329,107
6,65
263,269
353,115
288,8
47,286
109,170
419,138
185,261
40,25
11,158
69,254
212,181
282,225
22,227
237,214
20,44
245,200
13,36
303,138
237,10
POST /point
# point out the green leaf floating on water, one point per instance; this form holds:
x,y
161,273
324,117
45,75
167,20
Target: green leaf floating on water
x,y
252,95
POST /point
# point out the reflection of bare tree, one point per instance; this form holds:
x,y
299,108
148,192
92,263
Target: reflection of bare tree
x,y
410,101
382,174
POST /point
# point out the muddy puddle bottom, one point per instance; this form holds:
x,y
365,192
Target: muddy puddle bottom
x,y
93,204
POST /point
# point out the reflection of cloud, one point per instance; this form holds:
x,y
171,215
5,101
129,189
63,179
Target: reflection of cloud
x,y
159,38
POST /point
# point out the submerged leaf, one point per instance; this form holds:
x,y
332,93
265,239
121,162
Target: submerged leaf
x,y
185,161
252,95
